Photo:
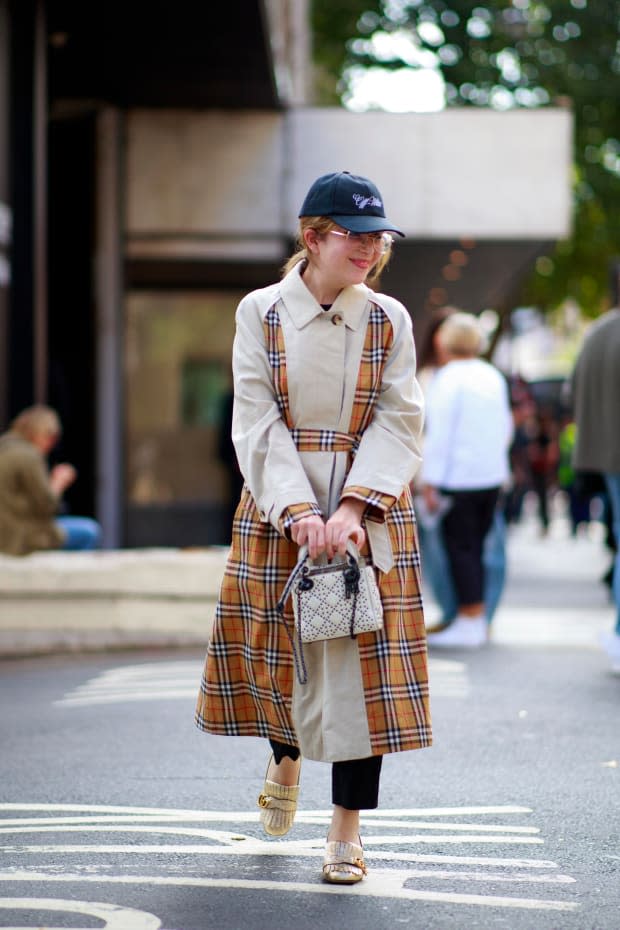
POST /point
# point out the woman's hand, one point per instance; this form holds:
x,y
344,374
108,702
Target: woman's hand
x,y
431,497
345,524
309,531
331,537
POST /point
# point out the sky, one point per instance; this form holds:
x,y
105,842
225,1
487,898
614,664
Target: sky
x,y
401,91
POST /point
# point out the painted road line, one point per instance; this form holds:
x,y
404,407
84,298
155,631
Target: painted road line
x,y
146,819
401,839
250,816
180,680
116,918
280,848
384,847
265,848
381,883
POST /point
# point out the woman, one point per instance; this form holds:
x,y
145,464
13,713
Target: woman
x,y
326,420
435,563
468,432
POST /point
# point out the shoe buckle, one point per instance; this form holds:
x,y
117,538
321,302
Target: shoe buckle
x,y
263,800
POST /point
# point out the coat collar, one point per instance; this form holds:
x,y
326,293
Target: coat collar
x,y
303,307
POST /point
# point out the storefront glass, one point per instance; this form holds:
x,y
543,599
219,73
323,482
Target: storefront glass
x,y
178,386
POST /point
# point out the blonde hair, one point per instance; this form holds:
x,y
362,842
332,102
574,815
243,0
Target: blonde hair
x,y
322,225
38,420
460,334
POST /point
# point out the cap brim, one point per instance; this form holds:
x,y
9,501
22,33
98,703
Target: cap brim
x,y
364,224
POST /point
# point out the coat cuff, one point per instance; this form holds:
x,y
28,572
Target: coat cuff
x,y
296,512
377,504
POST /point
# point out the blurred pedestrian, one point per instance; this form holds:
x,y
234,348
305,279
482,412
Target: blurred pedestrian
x,y
523,409
326,421
578,502
596,396
228,458
30,494
469,427
435,562
543,455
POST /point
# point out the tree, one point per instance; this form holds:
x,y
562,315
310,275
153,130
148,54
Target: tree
x,y
502,54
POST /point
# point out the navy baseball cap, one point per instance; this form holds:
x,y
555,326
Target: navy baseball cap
x,y
349,200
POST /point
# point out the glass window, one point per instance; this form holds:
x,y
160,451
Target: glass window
x,y
178,387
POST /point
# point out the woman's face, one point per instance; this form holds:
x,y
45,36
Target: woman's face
x,y
342,258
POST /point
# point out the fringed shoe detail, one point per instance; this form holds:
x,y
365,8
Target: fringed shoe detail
x,y
344,863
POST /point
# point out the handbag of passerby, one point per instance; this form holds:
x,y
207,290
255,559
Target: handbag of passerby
x,y
327,416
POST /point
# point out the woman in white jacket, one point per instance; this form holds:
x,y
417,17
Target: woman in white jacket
x,y
468,432
326,421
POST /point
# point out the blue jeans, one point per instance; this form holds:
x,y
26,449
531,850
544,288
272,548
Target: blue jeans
x,y
613,489
437,567
81,533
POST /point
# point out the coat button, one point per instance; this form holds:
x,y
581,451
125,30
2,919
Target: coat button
x,y
336,319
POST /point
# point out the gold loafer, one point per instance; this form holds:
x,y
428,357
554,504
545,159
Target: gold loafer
x,y
344,863
278,804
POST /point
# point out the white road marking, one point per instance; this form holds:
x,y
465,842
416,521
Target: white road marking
x,y
270,849
116,918
180,680
23,822
381,883
383,847
251,817
399,840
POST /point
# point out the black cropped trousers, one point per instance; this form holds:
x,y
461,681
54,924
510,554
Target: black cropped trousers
x,y
355,783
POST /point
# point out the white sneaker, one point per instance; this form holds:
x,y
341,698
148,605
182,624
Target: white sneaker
x,y
464,632
611,644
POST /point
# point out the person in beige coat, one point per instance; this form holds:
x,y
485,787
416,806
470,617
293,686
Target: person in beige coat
x,y
327,418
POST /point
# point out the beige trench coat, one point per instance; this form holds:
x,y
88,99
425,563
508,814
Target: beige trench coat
x,y
332,716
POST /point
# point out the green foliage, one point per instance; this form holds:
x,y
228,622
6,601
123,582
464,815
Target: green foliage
x,y
333,24
502,54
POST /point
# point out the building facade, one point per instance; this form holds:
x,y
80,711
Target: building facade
x,y
151,175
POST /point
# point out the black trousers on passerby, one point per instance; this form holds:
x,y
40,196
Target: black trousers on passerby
x,y
464,527
355,783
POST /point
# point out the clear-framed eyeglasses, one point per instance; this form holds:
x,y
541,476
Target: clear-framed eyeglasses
x,y
381,242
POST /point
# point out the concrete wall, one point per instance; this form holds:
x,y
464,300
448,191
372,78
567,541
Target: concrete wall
x,y
205,180
199,178
462,172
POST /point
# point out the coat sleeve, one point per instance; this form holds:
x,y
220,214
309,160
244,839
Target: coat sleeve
x,y
268,458
389,452
37,499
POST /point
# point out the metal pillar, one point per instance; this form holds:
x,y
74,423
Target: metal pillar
x,y
108,290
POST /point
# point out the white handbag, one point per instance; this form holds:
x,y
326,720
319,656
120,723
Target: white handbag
x,y
339,598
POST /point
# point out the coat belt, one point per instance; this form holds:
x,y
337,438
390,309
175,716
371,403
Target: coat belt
x,y
325,440
331,440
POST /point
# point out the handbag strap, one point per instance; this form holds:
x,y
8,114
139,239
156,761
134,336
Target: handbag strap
x,y
302,559
351,587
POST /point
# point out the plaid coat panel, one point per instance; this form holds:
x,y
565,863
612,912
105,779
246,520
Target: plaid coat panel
x,y
247,685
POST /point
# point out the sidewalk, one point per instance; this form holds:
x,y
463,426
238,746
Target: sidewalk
x,y
554,595
137,598
155,598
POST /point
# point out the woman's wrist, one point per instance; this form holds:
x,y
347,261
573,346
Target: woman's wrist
x,y
355,506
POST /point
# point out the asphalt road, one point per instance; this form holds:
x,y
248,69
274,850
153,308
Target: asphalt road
x,y
110,795
115,811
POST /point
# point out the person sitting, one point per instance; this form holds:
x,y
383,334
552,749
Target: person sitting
x,y
30,494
